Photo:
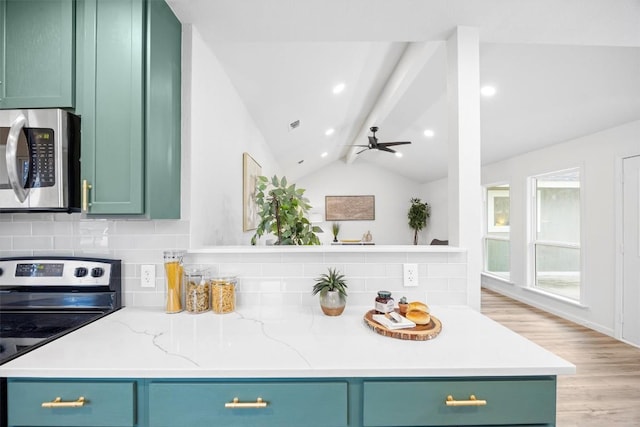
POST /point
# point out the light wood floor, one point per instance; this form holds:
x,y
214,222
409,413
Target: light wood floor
x,y
605,392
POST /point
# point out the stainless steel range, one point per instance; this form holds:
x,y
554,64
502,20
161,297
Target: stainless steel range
x,y
43,298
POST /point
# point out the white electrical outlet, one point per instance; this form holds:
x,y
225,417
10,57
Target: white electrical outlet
x,y
148,276
410,275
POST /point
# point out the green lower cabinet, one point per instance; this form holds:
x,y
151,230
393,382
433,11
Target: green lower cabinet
x,y
250,404
71,403
494,402
303,402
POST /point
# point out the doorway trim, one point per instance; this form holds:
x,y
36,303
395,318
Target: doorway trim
x,y
619,240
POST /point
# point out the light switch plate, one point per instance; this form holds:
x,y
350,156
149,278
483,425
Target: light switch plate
x,y
410,275
148,276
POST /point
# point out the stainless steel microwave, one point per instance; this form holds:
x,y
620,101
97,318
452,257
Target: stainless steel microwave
x,y
39,160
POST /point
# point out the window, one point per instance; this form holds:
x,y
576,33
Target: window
x,y
496,239
556,233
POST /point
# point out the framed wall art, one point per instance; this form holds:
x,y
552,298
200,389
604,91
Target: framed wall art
x,y
251,170
350,208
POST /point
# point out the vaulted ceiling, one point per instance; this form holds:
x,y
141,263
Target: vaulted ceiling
x,y
561,68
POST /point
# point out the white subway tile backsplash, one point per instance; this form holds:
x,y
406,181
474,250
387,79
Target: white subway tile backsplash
x,y
266,279
366,270
15,229
33,243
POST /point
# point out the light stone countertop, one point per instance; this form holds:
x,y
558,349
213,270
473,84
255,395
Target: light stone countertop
x,y
264,342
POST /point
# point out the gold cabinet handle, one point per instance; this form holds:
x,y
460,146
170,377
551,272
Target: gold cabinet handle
x,y
58,403
259,403
471,402
85,195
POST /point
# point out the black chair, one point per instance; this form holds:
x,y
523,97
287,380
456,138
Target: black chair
x,y
439,242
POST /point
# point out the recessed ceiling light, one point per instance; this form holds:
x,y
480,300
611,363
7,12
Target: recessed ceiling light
x,y
429,133
329,131
488,90
338,88
398,154
325,154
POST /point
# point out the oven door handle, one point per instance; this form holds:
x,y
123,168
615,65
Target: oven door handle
x,y
11,155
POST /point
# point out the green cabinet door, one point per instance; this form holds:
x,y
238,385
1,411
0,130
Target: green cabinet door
x,y
37,53
67,403
130,107
162,111
112,107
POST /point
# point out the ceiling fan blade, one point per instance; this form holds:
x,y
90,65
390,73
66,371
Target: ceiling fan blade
x,y
359,145
383,148
362,151
388,144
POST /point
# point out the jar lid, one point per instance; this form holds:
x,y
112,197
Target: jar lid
x,y
195,270
384,294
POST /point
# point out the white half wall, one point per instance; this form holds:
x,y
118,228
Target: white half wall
x,y
221,129
597,155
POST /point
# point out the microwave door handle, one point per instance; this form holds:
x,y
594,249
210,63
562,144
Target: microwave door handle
x,y
11,154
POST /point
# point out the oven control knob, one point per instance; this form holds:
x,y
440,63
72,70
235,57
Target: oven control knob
x,y
97,272
80,272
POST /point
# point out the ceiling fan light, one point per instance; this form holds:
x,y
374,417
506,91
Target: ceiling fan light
x,y
398,154
338,88
429,133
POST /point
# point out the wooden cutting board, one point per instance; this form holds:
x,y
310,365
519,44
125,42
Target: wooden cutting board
x,y
418,333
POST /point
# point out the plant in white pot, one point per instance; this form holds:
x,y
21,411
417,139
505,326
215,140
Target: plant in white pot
x,y
332,288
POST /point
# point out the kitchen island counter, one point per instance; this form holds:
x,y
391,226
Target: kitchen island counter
x,y
268,342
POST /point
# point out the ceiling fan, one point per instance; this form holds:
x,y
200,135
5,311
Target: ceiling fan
x,y
375,145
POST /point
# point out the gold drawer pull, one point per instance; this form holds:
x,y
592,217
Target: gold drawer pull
x,y
471,402
58,403
259,403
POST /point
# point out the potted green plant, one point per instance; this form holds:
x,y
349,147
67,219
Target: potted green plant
x,y
332,288
282,209
335,229
403,305
419,212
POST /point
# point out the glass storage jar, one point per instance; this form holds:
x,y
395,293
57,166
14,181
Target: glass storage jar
x,y
197,293
173,271
223,294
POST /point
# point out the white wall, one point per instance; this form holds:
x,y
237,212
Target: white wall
x,y
392,201
436,194
597,155
221,130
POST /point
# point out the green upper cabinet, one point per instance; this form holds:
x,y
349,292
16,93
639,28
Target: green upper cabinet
x,y
37,53
129,81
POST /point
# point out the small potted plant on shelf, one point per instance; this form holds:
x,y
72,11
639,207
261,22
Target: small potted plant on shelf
x,y
332,288
335,228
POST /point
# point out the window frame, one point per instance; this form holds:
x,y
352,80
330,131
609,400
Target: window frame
x,y
534,226
489,194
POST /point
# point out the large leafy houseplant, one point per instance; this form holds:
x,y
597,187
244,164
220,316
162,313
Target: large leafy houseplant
x,y
282,209
418,214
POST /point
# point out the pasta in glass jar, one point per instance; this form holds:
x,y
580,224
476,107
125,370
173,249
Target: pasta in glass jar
x,y
223,294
